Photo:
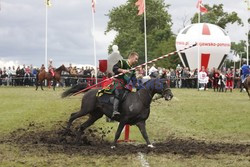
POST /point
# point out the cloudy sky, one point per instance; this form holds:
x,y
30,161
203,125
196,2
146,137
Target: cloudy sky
x,y
70,40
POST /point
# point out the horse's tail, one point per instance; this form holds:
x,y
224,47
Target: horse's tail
x,y
74,89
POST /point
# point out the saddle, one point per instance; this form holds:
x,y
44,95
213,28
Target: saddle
x,y
107,98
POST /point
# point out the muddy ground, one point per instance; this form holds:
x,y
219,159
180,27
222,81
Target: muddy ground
x,y
93,142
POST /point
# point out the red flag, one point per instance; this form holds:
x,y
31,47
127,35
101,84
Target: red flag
x,y
93,5
140,5
201,7
103,65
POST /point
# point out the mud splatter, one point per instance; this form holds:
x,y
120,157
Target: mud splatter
x,y
93,142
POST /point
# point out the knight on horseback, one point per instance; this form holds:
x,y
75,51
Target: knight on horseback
x,y
51,68
245,71
118,86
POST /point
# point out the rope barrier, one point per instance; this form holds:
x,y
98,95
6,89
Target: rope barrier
x,y
62,77
154,60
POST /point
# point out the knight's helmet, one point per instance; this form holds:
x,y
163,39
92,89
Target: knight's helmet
x,y
113,58
50,61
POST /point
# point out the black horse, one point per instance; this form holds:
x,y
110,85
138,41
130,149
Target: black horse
x,y
134,109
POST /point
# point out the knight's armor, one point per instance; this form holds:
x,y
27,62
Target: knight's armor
x,y
119,84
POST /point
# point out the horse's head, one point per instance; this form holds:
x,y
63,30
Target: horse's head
x,y
167,94
159,86
165,91
64,68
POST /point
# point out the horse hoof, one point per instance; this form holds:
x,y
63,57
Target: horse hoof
x,y
151,146
113,147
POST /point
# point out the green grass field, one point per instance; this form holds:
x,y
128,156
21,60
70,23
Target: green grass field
x,y
199,116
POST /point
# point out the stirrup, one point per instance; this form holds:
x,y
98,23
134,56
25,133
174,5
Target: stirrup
x,y
115,113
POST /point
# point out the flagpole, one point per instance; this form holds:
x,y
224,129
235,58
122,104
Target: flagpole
x,y
240,59
198,62
247,33
46,38
145,38
199,14
93,24
248,8
198,47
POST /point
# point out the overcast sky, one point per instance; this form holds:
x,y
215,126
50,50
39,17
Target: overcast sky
x,y
70,40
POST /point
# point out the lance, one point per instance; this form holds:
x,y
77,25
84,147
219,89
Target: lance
x,y
152,61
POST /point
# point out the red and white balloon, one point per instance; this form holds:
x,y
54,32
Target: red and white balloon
x,y
214,45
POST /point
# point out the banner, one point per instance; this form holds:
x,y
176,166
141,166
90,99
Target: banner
x,y
103,65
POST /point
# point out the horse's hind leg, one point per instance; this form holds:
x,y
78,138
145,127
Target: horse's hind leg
x,y
142,127
37,84
41,84
74,116
86,124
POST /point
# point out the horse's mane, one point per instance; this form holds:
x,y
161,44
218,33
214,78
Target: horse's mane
x,y
59,68
153,79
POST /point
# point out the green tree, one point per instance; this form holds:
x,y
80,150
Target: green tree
x,y
130,30
216,15
240,49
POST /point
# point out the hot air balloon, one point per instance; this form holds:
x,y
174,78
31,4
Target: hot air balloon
x,y
213,45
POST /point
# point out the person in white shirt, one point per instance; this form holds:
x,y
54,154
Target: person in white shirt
x,y
153,72
203,79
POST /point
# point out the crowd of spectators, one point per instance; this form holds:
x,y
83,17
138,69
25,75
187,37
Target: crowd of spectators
x,y
18,76
180,77
26,75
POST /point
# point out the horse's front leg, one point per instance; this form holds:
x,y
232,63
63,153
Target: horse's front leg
x,y
142,127
248,92
118,133
61,84
54,84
